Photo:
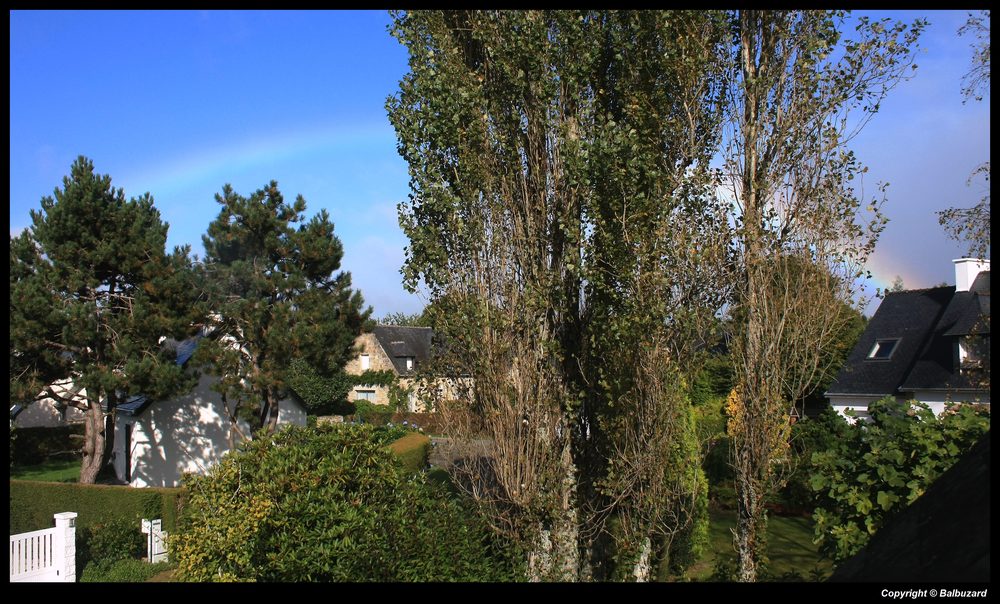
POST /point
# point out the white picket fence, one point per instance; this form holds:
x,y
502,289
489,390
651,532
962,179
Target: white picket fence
x,y
45,555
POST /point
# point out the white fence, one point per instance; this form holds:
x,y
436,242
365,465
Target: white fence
x,y
45,555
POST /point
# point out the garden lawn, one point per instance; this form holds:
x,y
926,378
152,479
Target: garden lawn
x,y
50,471
789,548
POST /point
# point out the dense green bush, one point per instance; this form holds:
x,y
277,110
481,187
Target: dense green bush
x,y
36,445
32,504
105,543
370,413
877,468
122,571
327,504
810,435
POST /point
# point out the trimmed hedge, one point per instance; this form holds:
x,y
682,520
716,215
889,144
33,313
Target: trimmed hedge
x,y
32,504
413,450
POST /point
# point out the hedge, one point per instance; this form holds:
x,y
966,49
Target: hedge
x,y
32,504
413,450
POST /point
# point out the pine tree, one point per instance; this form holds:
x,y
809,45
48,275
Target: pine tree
x,y
275,297
92,292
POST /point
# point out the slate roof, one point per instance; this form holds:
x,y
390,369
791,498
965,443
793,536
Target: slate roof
x,y
909,316
402,342
926,323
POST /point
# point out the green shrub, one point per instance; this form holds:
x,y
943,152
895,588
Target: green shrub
x,y
327,504
370,413
32,504
122,571
37,445
108,542
881,466
413,450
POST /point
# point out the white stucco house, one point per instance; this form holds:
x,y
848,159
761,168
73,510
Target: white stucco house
x,y
156,442
47,412
928,345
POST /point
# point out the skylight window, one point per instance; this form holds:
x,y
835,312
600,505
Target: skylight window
x,y
883,349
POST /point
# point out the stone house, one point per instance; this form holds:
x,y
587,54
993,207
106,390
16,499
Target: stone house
x,y
402,350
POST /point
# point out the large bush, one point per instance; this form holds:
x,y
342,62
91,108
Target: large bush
x,y
327,504
877,468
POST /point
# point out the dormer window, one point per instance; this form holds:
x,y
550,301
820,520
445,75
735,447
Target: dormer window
x,y
409,363
972,350
883,349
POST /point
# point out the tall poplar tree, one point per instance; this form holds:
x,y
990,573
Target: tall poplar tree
x,y
560,220
92,292
276,296
799,90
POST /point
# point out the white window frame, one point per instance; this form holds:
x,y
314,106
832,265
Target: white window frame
x,y
366,362
879,344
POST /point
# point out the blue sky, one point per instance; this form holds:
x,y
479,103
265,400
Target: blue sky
x,y
179,103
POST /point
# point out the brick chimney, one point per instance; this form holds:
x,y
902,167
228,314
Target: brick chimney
x,y
966,270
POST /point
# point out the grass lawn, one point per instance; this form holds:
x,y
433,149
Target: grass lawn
x,y
50,471
789,548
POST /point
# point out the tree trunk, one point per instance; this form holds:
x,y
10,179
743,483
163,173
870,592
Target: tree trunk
x,y
93,444
642,568
749,524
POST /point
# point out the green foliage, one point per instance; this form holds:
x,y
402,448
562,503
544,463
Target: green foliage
x,y
123,571
371,413
713,380
810,435
91,278
348,512
327,395
104,543
277,296
874,469
417,319
412,450
32,504
37,445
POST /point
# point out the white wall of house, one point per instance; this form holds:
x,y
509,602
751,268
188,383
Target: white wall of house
x,y
190,433
45,413
859,404
937,400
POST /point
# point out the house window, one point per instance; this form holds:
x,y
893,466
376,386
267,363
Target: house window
x,y
972,350
366,362
883,349
365,395
409,363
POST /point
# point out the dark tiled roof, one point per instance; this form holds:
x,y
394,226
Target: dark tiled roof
x,y
909,316
942,536
134,405
927,323
402,342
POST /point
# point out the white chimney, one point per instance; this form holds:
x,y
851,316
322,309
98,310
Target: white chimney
x,y
966,270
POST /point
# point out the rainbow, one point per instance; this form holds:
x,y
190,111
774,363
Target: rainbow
x,y
218,165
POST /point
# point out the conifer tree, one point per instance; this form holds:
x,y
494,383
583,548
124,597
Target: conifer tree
x,y
92,293
275,297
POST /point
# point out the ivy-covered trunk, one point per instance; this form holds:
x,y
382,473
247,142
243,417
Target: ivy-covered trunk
x,y
750,526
